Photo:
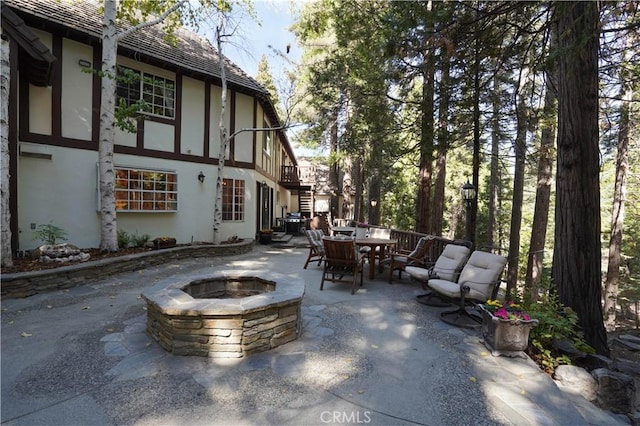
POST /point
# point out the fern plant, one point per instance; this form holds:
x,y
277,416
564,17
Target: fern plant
x,y
49,234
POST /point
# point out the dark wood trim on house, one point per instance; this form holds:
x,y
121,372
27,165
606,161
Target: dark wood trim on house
x,y
23,117
254,135
177,114
96,95
207,119
13,144
232,126
139,134
56,88
58,141
21,92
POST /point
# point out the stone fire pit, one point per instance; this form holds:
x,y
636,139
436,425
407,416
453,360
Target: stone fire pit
x,y
225,315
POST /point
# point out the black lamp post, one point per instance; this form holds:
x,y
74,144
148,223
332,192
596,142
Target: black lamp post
x,y
468,195
373,213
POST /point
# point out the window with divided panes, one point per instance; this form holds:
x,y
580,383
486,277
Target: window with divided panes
x,y
140,190
157,92
233,200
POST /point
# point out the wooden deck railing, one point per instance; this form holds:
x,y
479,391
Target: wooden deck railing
x,y
407,241
303,175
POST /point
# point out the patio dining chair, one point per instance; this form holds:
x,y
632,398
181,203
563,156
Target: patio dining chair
x,y
478,282
342,259
400,260
316,248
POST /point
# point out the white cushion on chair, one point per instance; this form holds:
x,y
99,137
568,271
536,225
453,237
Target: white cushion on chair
x,y
450,261
417,273
481,270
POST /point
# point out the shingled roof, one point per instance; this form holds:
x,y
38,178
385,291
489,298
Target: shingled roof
x,y
191,52
38,62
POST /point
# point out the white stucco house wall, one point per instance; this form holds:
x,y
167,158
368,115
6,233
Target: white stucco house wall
x,y
166,170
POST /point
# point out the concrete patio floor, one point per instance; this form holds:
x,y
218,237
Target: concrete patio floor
x,y
82,357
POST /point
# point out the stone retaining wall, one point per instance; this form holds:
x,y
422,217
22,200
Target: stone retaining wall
x,y
26,284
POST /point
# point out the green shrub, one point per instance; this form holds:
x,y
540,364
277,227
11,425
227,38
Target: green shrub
x,y
49,234
139,240
557,323
126,240
123,239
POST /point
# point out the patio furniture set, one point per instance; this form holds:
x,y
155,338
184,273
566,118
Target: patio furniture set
x,y
447,269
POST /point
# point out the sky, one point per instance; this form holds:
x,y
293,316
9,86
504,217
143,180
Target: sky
x,y
253,39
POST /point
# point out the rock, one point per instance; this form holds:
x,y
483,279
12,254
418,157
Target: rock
x,y
567,347
627,367
628,342
59,253
616,391
594,361
630,338
577,380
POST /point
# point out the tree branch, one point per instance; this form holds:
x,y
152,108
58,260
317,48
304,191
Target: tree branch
x,y
151,23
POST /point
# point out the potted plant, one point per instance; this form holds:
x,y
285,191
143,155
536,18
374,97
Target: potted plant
x,y
163,242
265,236
505,328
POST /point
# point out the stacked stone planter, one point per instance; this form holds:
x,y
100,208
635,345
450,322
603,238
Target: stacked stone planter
x,y
26,284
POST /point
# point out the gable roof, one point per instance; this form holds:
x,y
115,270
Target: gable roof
x,y
82,20
190,52
39,60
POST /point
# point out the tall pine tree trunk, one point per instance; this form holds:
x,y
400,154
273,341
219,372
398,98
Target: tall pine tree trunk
x,y
535,261
423,215
426,153
577,254
518,190
494,179
333,167
617,218
442,148
472,211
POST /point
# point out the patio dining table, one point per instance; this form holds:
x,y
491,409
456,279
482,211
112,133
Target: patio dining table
x,y
373,243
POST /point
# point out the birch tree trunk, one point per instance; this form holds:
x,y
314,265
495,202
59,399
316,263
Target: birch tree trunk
x,y
224,140
5,228
106,170
108,225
